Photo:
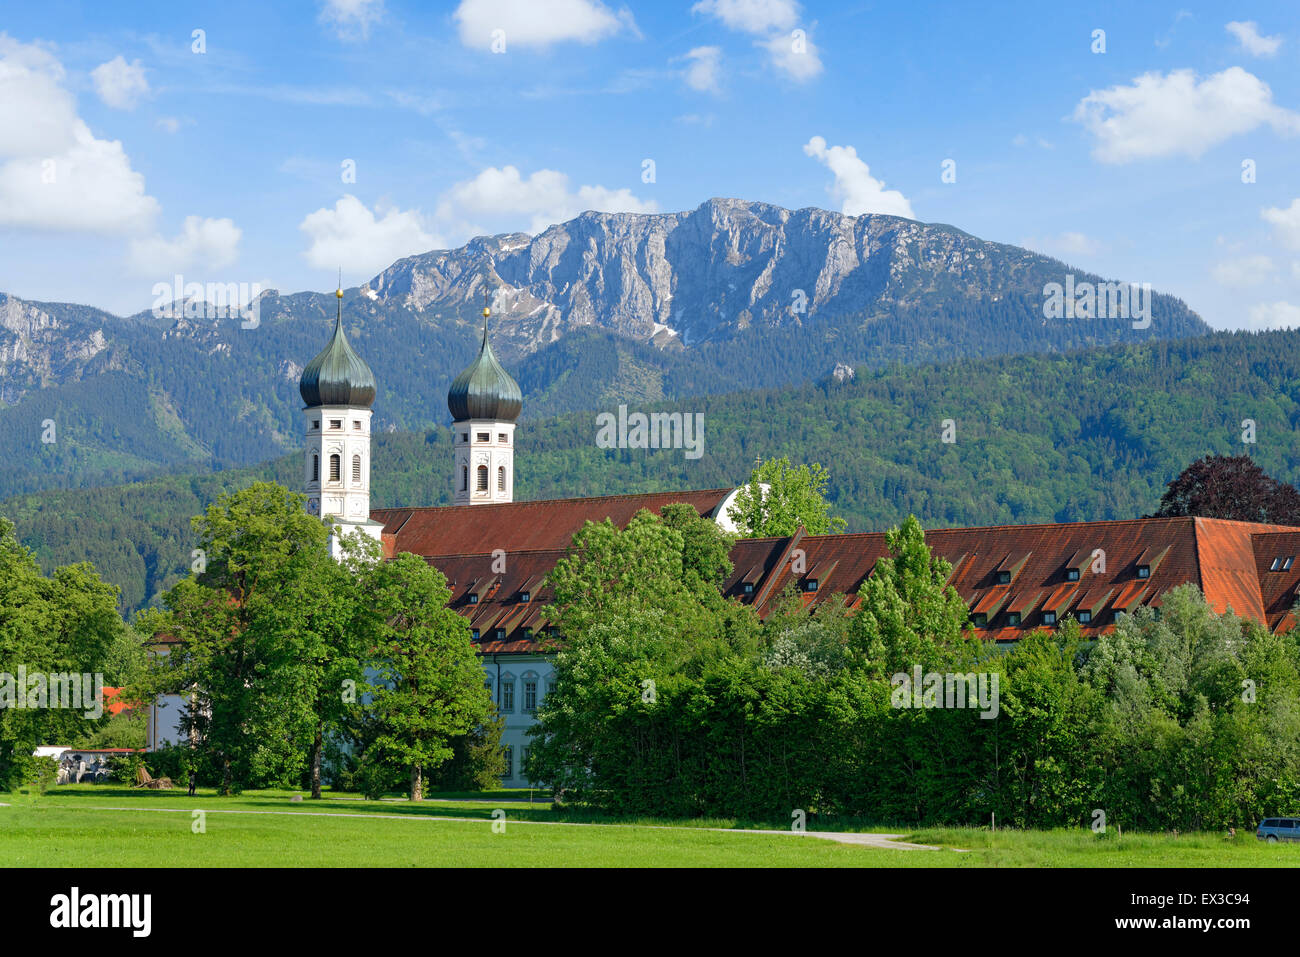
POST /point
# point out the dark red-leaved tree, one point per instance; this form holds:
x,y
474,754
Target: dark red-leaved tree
x,y
1231,486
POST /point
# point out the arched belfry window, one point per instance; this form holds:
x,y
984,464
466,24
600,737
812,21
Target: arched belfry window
x,y
356,468
315,467
482,478
335,466
501,478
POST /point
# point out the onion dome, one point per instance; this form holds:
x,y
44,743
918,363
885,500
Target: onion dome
x,y
485,390
337,376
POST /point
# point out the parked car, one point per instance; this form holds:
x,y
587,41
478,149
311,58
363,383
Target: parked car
x,y
1274,829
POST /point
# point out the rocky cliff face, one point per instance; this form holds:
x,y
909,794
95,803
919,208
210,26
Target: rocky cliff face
x,y
703,275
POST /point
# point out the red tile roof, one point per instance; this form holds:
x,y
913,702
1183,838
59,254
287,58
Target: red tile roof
x,y
1227,560
518,526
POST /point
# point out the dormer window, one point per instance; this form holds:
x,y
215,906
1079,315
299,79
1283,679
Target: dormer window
x,y
810,585
1004,578
525,596
475,633
1085,616
1049,618
528,634
500,634
749,588
1013,618
980,620
1072,574
1144,571
473,599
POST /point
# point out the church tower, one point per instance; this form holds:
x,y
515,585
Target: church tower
x,y
484,402
338,389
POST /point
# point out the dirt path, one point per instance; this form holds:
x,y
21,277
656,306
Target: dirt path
x,y
843,837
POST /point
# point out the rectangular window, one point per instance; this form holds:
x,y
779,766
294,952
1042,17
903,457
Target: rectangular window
x,y
1085,617
523,762
980,620
1277,563
530,696
503,438
509,754
315,423
1004,578
525,596
356,425
1072,574
484,437
528,634
507,696
464,436
336,423
1049,618
550,685
1013,618
499,634
1286,565
810,585
1144,571
749,588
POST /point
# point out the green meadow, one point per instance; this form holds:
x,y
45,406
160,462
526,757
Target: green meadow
x,y
105,826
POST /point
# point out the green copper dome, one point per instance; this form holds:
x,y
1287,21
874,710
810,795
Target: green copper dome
x,y
337,376
485,390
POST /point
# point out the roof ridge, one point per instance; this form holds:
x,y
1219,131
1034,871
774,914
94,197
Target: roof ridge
x,y
548,501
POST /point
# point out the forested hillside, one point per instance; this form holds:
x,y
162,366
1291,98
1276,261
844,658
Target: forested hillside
x,y
1087,435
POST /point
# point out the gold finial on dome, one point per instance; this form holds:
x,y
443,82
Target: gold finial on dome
x,y
339,293
486,312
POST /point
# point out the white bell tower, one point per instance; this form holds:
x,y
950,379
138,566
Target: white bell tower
x,y
484,402
338,389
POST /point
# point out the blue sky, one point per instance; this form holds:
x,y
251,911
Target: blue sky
x,y
126,156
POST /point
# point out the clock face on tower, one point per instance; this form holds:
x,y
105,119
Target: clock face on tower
x,y
313,506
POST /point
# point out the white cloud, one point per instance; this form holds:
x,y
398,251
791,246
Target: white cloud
x,y
1274,315
528,23
794,54
704,70
120,84
1069,243
352,19
55,174
204,243
1162,115
350,235
169,124
751,16
505,197
1285,222
855,188
1248,36
1246,271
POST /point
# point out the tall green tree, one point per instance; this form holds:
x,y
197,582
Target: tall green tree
x,y
66,623
427,686
908,614
252,625
779,497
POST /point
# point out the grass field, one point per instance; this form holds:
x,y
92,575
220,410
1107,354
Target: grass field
x,y
104,826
